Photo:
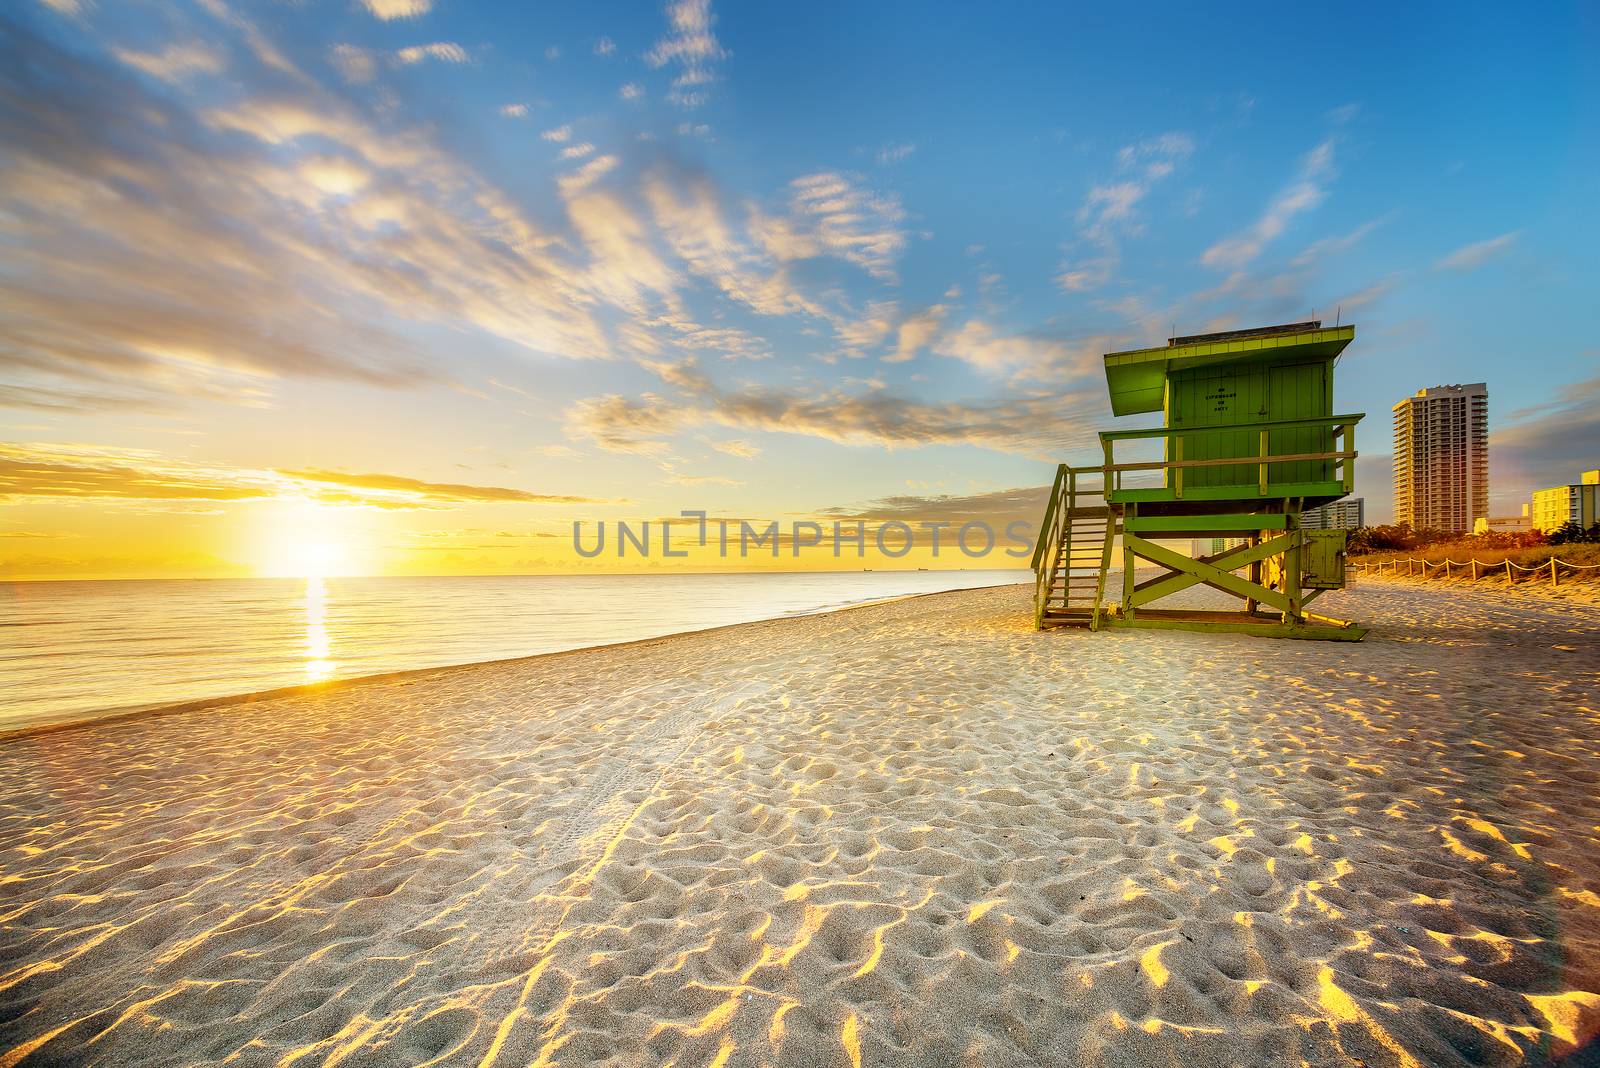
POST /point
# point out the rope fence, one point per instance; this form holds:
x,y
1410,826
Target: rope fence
x,y
1474,566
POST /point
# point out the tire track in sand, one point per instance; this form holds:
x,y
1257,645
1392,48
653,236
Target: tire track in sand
x,y
596,827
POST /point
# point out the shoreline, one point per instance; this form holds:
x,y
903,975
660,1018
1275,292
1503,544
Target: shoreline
x,y
123,714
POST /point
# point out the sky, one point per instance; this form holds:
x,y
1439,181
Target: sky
x,y
410,286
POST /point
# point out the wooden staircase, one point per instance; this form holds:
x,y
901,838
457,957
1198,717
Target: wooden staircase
x,y
1074,551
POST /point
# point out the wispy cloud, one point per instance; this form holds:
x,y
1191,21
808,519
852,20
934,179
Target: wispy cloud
x,y
1044,425
693,47
605,46
558,135
444,51
1109,211
1304,193
1029,356
831,213
176,62
894,153
381,487
1327,247
915,331
398,9
735,447
355,65
90,472
302,227
1471,257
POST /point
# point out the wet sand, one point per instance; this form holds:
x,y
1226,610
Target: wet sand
x,y
912,833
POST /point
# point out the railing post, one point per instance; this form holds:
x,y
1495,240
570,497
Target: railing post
x,y
1349,461
1509,580
1177,472
1474,569
1262,471
1554,582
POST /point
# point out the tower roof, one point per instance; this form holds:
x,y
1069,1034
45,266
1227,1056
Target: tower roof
x,y
1137,378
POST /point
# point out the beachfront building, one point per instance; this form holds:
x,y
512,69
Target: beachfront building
x,y
1347,514
1249,441
1577,502
1441,458
1503,524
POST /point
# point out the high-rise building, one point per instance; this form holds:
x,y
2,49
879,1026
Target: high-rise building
x,y
1578,502
1441,458
1347,514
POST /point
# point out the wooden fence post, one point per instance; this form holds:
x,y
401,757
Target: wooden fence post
x,y
1554,582
1510,580
1447,567
1474,569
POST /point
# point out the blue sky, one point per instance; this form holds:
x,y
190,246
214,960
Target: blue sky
x,y
756,258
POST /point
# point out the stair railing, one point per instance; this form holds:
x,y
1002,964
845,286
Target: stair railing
x,y
1047,551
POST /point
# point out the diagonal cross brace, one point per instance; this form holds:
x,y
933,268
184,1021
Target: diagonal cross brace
x,y
1187,572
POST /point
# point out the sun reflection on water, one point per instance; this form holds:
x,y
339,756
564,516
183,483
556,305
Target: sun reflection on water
x,y
319,666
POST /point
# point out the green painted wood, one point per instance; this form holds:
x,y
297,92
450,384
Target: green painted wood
x,y
1266,629
1192,572
1224,522
1330,490
1136,380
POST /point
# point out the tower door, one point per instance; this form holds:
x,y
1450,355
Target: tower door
x,y
1299,391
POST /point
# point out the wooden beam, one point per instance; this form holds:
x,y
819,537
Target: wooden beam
x,y
1187,572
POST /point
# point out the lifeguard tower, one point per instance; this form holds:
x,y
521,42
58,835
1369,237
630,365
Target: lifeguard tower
x,y
1250,441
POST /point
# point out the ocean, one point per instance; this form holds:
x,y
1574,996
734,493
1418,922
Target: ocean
x,y
75,650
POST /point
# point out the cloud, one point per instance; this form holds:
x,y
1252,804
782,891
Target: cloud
x,y
398,9
69,471
176,62
830,214
514,111
1548,444
438,492
1327,247
868,331
577,151
995,507
1109,215
735,447
631,91
605,46
355,65
166,249
1029,356
1471,257
444,51
915,332
559,135
693,47
1301,195
1044,426
894,153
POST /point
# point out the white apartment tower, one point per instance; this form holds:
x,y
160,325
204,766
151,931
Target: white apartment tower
x,y
1441,458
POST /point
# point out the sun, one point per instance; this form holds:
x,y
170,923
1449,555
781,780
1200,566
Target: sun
x,y
303,540
314,559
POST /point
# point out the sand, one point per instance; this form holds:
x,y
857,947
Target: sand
x,y
914,833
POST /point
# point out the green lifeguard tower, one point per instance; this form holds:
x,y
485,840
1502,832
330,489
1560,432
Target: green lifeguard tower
x,y
1250,441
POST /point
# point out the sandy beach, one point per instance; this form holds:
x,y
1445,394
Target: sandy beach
x,y
911,833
